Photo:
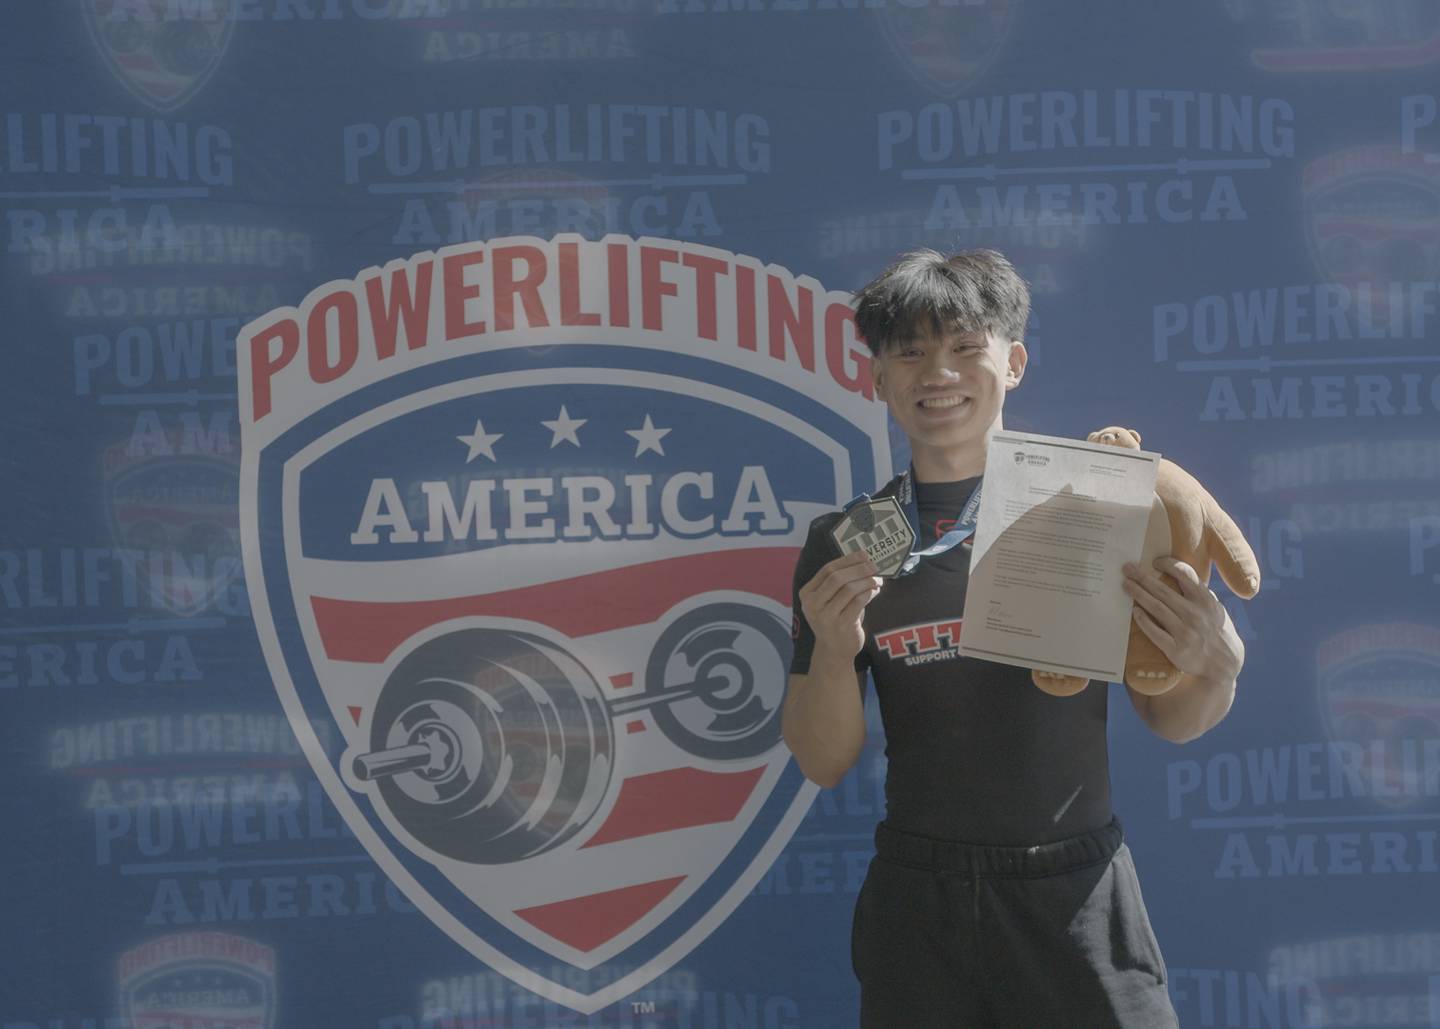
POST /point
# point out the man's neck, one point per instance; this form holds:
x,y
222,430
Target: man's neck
x,y
951,464
947,466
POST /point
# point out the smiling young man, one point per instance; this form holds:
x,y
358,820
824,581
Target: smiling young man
x,y
1002,893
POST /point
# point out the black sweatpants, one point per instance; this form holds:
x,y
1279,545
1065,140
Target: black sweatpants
x,y
958,935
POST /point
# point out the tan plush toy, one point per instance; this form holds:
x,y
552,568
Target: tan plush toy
x,y
1187,524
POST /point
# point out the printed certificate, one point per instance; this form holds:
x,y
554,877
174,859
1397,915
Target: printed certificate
x,y
1058,519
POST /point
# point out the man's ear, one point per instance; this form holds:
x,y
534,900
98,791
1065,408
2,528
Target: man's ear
x,y
877,376
1015,362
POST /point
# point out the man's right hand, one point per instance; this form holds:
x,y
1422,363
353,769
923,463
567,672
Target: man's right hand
x,y
834,603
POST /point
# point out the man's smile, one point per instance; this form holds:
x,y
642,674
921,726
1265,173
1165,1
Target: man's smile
x,y
942,403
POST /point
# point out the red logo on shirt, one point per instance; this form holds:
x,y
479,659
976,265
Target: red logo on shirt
x,y
915,640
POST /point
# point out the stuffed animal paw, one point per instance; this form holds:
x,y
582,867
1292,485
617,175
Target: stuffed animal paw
x,y
1187,524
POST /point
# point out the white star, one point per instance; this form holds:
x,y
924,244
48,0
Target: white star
x,y
563,428
647,437
480,442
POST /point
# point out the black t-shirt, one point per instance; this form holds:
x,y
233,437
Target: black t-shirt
x,y
976,752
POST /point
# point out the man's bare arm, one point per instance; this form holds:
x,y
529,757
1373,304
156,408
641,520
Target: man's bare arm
x,y
1195,632
823,720
1189,710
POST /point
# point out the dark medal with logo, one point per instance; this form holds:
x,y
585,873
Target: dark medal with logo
x,y
882,528
878,527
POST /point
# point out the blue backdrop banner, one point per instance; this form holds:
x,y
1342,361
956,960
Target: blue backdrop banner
x,y
414,410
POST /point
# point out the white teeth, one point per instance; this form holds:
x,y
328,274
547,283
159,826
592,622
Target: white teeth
x,y
942,402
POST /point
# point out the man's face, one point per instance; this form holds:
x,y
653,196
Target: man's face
x,y
947,391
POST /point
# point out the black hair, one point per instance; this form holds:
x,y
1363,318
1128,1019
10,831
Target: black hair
x,y
926,294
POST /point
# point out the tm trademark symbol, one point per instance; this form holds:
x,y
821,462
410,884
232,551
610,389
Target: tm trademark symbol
x,y
643,1007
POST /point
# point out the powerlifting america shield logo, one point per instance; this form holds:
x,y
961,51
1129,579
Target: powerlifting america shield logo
x,y
201,980
520,518
163,51
178,514
947,46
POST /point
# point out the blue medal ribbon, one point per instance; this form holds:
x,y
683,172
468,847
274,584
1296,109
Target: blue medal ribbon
x,y
962,530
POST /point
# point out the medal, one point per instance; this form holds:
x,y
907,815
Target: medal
x,y
883,529
879,528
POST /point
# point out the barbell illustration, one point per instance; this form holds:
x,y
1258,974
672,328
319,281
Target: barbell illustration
x,y
491,745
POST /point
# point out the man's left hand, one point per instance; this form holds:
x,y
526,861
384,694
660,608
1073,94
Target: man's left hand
x,y
1191,628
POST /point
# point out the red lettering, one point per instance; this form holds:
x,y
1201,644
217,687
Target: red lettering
x,y
570,313
618,255
893,643
457,292
652,287
407,305
527,287
347,340
706,271
264,362
925,639
745,306
785,320
838,317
